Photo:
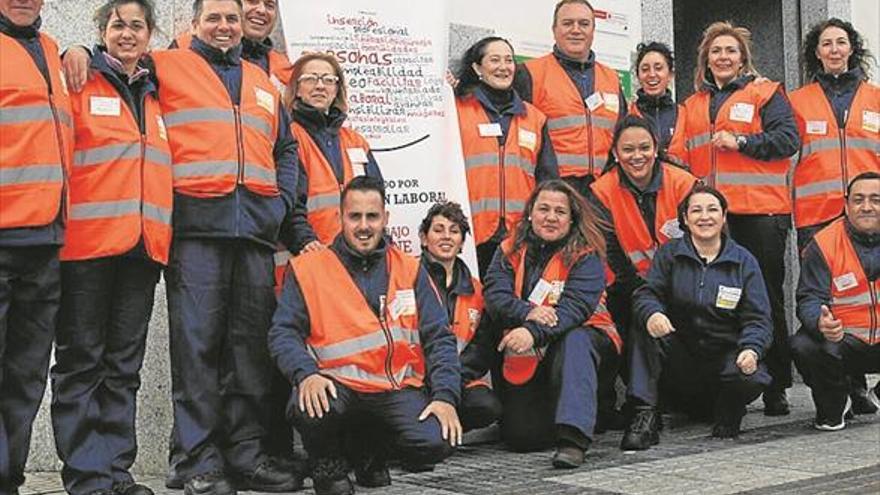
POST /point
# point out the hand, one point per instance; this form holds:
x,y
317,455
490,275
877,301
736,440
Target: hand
x,y
313,246
724,140
313,395
747,361
544,315
518,340
830,327
659,325
448,418
451,79
76,68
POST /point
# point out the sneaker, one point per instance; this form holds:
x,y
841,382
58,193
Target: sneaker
x,y
131,488
210,483
269,477
835,423
874,395
372,474
568,457
862,403
776,403
642,432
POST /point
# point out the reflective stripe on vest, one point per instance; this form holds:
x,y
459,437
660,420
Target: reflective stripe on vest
x,y
215,144
854,298
751,186
830,156
349,342
36,135
500,178
581,137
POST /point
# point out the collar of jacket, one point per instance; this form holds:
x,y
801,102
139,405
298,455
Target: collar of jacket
x,y
571,63
685,248
20,32
255,50
539,251
516,107
355,260
315,120
647,102
216,56
847,80
738,83
461,275
110,66
863,238
653,186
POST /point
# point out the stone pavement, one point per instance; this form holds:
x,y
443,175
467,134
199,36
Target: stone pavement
x,y
773,456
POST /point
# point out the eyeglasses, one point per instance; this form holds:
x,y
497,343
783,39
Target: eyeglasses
x,y
312,79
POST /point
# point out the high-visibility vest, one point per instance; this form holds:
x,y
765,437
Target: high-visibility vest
x,y
854,299
36,135
280,68
751,186
215,144
629,225
349,342
120,183
465,321
500,178
520,368
830,156
581,131
282,259
325,190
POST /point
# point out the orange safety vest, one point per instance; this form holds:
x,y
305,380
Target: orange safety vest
x,y
629,226
854,299
465,321
215,144
324,189
500,177
350,343
751,186
520,368
581,130
120,184
280,68
831,156
36,135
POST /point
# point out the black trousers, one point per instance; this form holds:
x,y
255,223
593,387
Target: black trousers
x,y
765,237
30,291
106,305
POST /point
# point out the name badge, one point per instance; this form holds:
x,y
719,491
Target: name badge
x,y
672,229
612,102
489,130
817,127
871,121
163,133
540,292
845,281
556,288
357,155
742,112
105,106
593,101
728,297
277,83
404,304
528,139
265,100
474,318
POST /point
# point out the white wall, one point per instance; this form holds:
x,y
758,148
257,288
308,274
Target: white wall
x,y
866,19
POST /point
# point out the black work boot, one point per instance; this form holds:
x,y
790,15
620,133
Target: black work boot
x,y
210,483
269,476
776,402
131,488
642,431
728,420
330,477
372,473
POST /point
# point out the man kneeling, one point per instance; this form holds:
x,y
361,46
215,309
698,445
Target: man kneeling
x,y
359,331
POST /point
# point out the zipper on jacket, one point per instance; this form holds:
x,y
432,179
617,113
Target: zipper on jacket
x,y
142,126
60,137
239,143
841,132
872,290
390,340
702,281
590,140
502,197
713,167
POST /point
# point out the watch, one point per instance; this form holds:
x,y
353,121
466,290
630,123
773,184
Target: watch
x,y
741,141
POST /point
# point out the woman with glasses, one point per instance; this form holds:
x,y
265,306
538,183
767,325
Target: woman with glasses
x,y
330,154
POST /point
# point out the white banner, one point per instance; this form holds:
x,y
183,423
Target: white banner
x,y
394,54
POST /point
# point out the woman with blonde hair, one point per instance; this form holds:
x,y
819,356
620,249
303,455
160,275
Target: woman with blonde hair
x,y
739,133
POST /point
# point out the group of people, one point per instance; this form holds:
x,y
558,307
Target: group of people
x,y
644,242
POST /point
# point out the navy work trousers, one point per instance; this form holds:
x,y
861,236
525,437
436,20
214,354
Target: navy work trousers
x,y
220,305
106,305
30,290
479,407
559,403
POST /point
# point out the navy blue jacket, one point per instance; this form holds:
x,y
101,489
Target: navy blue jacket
x,y
686,289
240,214
779,139
53,233
583,289
661,112
324,131
581,74
840,91
291,326
814,286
